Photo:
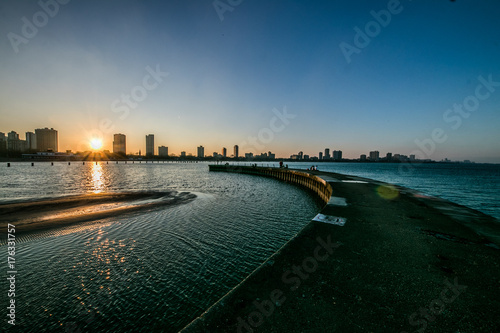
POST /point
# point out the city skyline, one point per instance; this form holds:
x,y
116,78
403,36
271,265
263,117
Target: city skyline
x,y
393,76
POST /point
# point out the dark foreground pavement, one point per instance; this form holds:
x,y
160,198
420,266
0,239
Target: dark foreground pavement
x,y
402,262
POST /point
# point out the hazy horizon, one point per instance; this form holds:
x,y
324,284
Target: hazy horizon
x,y
392,76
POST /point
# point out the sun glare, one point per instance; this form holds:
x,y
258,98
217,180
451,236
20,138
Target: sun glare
x,y
96,143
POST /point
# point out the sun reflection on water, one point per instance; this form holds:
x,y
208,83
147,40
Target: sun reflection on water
x,y
98,184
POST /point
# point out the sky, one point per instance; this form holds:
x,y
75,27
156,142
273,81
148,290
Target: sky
x,y
408,77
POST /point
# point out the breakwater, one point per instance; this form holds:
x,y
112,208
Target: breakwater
x,y
378,258
319,186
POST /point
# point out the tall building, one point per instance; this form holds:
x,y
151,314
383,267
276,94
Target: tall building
x,y
150,145
120,144
388,157
300,155
320,156
30,141
327,154
337,155
183,154
224,152
362,157
201,152
3,141
46,139
14,143
236,152
163,151
374,155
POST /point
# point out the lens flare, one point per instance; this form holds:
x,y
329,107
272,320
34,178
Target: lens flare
x,y
388,192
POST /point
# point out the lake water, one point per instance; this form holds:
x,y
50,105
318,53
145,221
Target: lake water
x,y
157,269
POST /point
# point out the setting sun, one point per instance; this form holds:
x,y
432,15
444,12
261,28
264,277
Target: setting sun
x,y
96,143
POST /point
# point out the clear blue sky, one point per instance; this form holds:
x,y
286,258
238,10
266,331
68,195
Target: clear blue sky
x,y
227,76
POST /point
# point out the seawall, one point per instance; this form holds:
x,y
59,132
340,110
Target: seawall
x,y
378,258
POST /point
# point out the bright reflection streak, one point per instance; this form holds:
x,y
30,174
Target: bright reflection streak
x,y
98,185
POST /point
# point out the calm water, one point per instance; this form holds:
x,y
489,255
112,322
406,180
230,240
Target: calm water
x,y
158,269
150,271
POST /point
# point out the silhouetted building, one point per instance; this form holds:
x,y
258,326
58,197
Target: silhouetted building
x,y
3,141
362,157
300,155
30,141
150,145
120,144
163,151
374,155
388,157
14,143
271,156
320,156
46,139
327,154
183,154
249,156
412,157
201,152
224,152
236,152
337,155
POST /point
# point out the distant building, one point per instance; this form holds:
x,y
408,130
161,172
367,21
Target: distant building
x,y
374,155
163,151
224,152
362,157
216,155
3,141
388,157
327,154
271,156
14,143
46,139
320,156
183,154
236,152
249,156
120,144
30,141
306,157
201,152
150,145
412,157
337,155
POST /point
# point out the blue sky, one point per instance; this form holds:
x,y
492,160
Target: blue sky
x,y
225,77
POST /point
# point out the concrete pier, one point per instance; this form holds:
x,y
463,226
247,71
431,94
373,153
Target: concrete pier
x,y
377,258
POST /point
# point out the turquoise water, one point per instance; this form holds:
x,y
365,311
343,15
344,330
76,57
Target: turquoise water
x,y
159,268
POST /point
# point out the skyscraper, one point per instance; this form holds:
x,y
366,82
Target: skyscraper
x,y
327,154
337,155
46,139
320,155
30,141
150,145
236,153
163,151
201,152
374,155
120,144
224,152
3,141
